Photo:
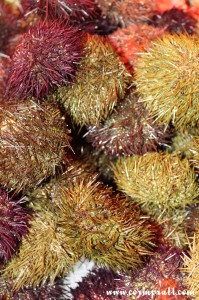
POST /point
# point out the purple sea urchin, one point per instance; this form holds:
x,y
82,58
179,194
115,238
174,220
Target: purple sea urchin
x,y
45,59
167,80
175,21
13,225
160,274
77,10
45,292
127,131
95,285
84,14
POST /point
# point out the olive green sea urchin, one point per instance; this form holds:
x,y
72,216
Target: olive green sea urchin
x,y
163,185
108,228
100,83
157,181
46,252
167,79
105,227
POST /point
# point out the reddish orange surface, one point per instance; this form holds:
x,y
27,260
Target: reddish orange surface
x,y
166,285
163,5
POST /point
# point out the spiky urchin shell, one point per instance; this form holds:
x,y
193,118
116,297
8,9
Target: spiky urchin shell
x,y
127,11
13,224
33,143
79,10
101,81
191,265
166,77
127,131
105,227
45,59
45,292
159,182
47,251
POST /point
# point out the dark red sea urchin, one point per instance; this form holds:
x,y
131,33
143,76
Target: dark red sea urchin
x,y
175,21
44,292
95,285
46,58
128,131
13,225
78,10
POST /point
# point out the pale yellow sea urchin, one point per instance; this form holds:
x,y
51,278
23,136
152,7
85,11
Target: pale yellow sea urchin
x,y
167,78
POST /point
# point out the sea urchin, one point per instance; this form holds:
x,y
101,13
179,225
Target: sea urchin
x,y
13,224
46,58
167,79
